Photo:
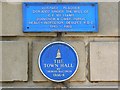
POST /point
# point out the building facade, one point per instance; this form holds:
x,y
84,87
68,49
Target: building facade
x,y
97,52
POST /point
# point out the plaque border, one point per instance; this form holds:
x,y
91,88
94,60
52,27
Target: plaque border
x,y
60,42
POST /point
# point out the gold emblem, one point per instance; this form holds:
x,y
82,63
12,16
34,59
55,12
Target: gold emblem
x,y
58,54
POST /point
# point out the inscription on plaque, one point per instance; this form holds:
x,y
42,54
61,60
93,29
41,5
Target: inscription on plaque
x,y
58,61
60,17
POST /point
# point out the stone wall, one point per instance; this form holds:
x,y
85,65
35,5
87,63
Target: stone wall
x,y
98,52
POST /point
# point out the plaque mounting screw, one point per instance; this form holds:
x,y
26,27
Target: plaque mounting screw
x,y
93,5
27,27
26,5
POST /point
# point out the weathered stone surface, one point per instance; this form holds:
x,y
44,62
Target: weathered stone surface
x,y
0,18
78,0
37,47
80,74
104,61
0,61
14,61
90,1
11,19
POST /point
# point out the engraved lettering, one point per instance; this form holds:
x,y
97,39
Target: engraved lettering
x,y
60,18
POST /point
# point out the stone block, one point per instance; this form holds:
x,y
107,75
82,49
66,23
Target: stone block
x,y
0,18
104,61
14,61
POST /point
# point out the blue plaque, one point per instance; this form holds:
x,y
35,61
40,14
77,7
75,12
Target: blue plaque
x,y
60,17
58,61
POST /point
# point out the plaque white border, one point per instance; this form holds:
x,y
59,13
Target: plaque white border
x,y
43,51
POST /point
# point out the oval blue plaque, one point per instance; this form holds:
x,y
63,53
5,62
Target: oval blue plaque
x,y
58,61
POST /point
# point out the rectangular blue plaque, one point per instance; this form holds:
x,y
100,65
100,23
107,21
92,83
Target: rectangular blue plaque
x,y
60,17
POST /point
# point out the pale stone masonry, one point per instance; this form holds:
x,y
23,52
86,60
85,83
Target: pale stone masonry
x,y
0,19
0,61
104,61
14,61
